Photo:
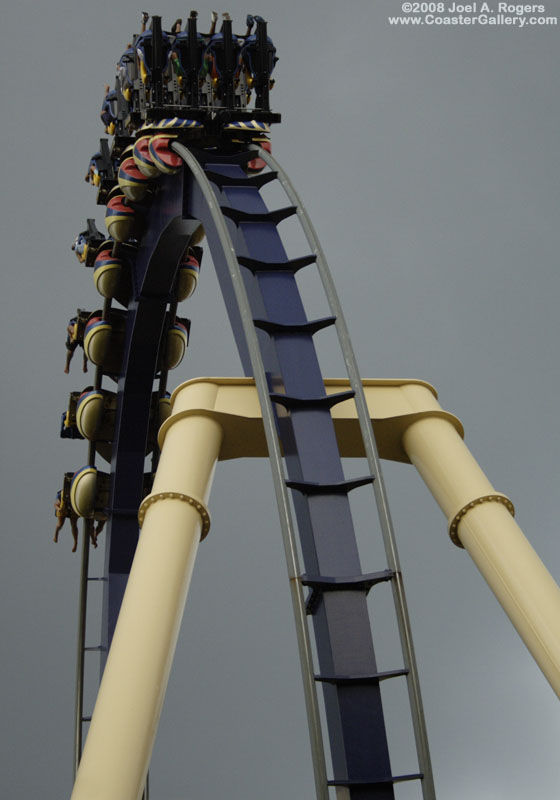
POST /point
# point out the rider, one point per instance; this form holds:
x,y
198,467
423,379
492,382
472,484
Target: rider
x,y
107,115
72,342
62,512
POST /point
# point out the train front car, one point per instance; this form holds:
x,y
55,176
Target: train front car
x,y
212,78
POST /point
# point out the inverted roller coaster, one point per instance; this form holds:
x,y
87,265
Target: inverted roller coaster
x,y
190,122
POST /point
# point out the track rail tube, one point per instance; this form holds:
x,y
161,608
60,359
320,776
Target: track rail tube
x,y
82,604
481,521
370,446
275,456
117,752
82,611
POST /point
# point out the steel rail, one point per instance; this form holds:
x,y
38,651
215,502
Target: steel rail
x,y
82,602
82,610
370,446
275,456
82,614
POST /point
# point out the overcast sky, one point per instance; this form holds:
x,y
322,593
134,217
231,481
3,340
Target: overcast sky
x,y
428,160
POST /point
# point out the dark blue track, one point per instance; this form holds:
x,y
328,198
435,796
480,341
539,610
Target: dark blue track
x,y
347,666
341,622
153,274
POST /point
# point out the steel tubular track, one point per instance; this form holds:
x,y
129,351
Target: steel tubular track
x,y
286,522
82,606
82,610
372,456
82,614
281,492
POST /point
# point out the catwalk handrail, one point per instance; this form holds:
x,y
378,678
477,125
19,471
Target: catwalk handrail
x,y
374,464
286,522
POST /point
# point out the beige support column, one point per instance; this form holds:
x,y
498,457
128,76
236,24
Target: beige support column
x,y
480,520
126,715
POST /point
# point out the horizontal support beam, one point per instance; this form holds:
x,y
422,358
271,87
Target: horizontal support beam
x,y
410,426
393,404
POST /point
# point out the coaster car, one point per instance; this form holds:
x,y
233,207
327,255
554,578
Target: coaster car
x,y
112,274
89,493
144,47
143,158
183,57
189,269
255,61
119,218
97,339
176,343
133,183
95,414
104,340
214,62
107,272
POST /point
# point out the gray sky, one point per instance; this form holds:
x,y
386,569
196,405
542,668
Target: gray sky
x,y
428,160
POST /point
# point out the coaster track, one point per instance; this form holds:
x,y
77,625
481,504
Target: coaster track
x,y
202,181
